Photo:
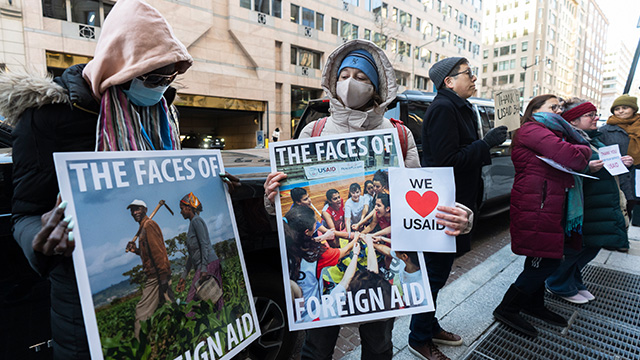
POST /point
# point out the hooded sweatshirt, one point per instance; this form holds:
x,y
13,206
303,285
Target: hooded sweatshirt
x,y
346,120
135,40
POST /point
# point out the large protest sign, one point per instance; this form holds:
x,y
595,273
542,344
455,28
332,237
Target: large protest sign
x,y
159,278
333,215
415,195
507,105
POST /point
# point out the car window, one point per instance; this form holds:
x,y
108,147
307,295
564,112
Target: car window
x,y
415,115
315,110
487,116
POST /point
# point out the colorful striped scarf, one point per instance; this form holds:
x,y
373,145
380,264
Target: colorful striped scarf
x,y
123,126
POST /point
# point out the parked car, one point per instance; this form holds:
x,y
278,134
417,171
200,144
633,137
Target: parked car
x,y
410,107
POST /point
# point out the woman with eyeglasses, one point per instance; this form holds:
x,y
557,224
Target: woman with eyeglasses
x,y
604,224
546,209
623,128
120,100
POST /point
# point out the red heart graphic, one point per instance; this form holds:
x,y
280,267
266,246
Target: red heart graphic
x,y
424,204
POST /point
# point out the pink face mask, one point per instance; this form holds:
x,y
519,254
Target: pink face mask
x,y
353,93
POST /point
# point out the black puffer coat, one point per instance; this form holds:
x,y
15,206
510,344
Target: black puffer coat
x,y
604,224
42,131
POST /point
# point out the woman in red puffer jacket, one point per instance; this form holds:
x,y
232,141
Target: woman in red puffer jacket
x,y
546,208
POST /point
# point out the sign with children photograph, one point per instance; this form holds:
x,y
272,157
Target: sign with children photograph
x,y
158,261
415,196
334,223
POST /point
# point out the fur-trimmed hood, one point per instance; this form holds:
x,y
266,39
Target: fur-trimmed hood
x,y
20,91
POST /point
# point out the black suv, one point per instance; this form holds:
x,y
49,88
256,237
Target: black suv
x,y
410,107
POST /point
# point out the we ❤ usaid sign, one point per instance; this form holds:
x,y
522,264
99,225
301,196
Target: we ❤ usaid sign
x,y
415,195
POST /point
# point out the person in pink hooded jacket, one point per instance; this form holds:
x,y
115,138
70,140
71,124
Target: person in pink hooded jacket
x,y
136,59
546,208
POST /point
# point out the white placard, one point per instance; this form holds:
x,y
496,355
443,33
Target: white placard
x,y
612,159
507,105
415,195
637,182
563,168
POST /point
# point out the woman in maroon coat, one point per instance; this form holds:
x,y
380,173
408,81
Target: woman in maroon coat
x,y
546,208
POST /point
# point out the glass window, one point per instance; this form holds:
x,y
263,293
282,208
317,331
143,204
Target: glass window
x,y
523,61
418,23
367,34
261,6
308,17
485,54
245,4
55,9
380,40
85,12
320,21
276,8
525,45
304,57
345,29
393,45
354,32
380,9
295,14
427,28
513,48
334,26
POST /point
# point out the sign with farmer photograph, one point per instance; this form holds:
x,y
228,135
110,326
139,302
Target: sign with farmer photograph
x,y
158,260
416,194
334,217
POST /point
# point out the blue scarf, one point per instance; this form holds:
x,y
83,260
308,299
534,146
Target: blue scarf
x,y
575,197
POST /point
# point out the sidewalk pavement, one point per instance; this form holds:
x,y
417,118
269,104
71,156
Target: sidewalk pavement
x,y
465,306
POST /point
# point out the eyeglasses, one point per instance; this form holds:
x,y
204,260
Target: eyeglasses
x,y
468,72
557,107
155,80
591,115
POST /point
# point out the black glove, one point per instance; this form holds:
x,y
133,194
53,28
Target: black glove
x,y
496,136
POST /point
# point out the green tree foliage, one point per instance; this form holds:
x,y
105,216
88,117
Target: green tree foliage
x,y
175,327
226,249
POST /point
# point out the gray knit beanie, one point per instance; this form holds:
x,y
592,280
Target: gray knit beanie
x,y
442,68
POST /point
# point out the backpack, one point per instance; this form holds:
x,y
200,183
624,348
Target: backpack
x,y
403,132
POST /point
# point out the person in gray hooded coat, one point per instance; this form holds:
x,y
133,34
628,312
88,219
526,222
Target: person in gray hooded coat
x,y
360,82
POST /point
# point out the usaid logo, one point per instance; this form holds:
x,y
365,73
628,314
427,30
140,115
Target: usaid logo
x,y
327,170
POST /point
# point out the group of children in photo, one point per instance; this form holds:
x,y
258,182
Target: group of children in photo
x,y
346,246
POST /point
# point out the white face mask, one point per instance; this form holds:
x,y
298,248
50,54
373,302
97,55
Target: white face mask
x,y
353,93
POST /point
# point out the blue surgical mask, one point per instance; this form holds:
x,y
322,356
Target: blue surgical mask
x,y
142,95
